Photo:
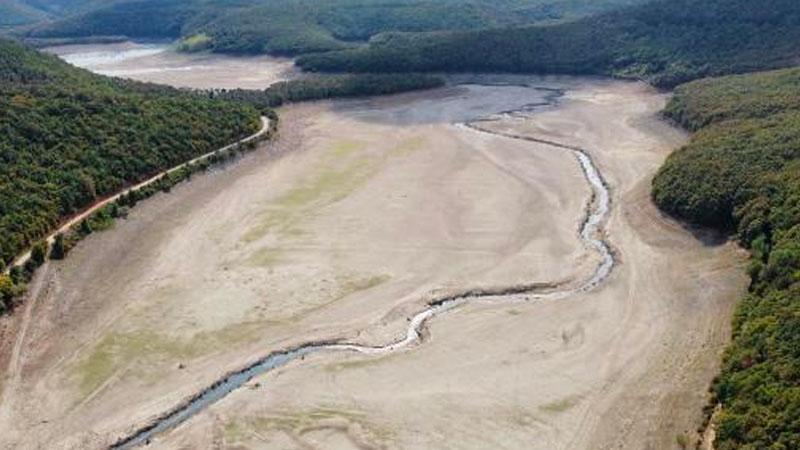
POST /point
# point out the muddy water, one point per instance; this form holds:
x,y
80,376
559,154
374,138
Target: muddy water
x,y
591,234
158,62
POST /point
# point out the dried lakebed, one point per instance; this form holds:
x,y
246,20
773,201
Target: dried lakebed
x,y
591,233
341,241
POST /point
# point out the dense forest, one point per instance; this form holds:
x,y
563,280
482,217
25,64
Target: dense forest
x,y
17,13
303,26
666,42
26,12
741,172
68,138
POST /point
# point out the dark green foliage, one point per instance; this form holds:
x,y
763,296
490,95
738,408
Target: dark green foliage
x,y
59,250
17,13
17,275
758,95
85,227
9,290
305,26
741,172
330,86
39,253
749,128
666,42
141,18
724,166
38,256
570,48
68,138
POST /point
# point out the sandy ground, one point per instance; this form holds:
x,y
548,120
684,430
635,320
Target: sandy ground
x,y
158,63
342,228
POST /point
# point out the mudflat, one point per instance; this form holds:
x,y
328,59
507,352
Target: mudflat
x,y
343,228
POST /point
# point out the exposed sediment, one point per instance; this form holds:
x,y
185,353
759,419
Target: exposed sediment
x,y
591,234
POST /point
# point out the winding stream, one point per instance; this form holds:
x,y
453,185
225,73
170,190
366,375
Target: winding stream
x,y
591,233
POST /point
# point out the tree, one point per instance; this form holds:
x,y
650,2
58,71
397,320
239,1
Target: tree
x,y
7,292
39,253
17,275
6,288
85,227
59,250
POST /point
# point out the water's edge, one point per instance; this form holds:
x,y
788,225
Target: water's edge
x,y
591,233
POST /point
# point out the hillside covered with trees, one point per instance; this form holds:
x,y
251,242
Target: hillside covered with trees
x,y
741,172
666,42
26,12
68,138
303,26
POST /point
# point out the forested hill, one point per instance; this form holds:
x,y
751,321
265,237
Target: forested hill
x,y
303,26
666,41
68,137
741,172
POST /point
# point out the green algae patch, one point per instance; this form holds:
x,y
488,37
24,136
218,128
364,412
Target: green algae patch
x,y
299,422
267,257
347,285
362,362
116,351
142,350
195,43
409,146
351,285
562,405
343,169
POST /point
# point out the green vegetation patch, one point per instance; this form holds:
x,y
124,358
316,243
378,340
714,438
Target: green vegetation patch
x,y
342,169
562,405
301,422
195,43
143,350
